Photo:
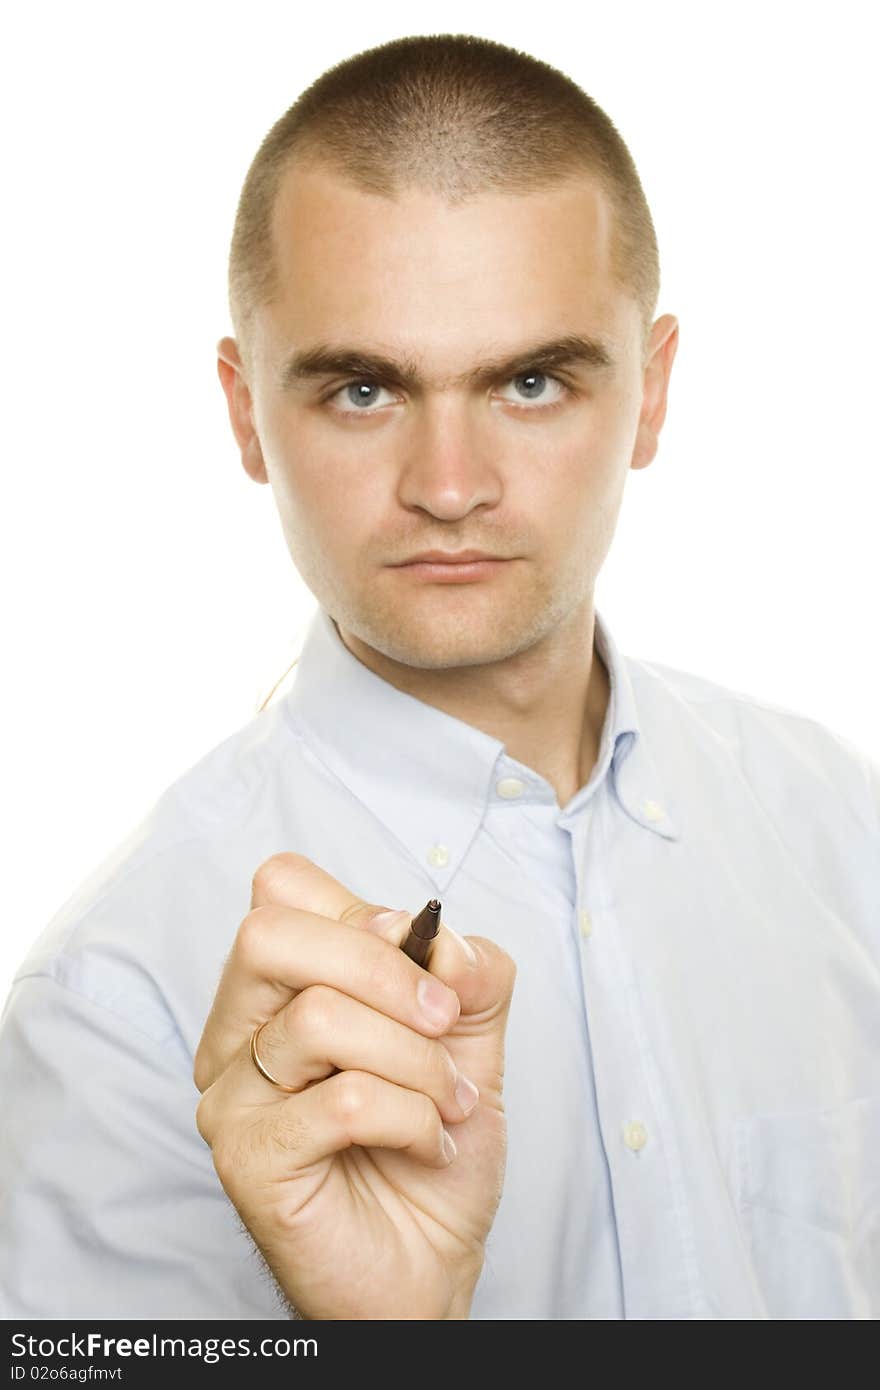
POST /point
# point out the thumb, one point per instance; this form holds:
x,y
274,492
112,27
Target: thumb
x,y
476,1040
482,975
477,968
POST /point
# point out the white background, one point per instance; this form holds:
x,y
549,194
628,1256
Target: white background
x,y
150,602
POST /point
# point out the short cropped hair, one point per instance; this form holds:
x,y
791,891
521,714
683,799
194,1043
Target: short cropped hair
x,y
454,113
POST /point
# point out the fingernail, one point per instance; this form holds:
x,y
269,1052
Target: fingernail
x,y
465,945
436,1002
466,1093
449,1145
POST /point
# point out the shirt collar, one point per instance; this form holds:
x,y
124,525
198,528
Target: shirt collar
x,y
429,776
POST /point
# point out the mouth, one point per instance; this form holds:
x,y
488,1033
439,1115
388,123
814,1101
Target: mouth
x,y
465,568
450,557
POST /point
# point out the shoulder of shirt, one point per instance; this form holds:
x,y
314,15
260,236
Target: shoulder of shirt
x,y
766,738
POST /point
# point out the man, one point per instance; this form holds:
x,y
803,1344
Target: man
x,y
640,1075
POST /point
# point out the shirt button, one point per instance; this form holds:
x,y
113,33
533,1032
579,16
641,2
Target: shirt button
x,y
585,923
509,787
652,810
438,856
635,1136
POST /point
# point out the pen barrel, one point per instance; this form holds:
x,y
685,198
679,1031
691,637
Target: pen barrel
x,y
418,949
423,931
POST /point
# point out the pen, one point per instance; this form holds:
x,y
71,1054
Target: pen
x,y
423,931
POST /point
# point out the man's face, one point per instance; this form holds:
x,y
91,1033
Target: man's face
x,y
528,465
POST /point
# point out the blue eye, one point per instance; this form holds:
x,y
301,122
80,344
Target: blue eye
x,y
533,384
358,394
362,392
534,388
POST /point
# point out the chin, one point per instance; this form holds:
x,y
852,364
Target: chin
x,y
435,644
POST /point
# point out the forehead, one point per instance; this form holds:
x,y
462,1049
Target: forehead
x,y
416,270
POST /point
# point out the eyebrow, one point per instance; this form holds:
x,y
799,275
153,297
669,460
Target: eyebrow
x,y
329,360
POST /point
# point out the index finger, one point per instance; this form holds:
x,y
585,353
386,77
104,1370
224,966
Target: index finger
x,y
293,880
281,949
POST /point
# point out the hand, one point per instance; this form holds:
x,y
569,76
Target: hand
x,y
346,1184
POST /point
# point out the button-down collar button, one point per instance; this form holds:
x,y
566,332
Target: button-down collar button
x,y
509,787
586,923
652,810
635,1136
438,856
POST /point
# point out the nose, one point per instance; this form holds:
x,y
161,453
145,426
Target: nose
x,y
450,467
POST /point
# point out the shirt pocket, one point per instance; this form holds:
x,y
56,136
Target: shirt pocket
x,y
808,1195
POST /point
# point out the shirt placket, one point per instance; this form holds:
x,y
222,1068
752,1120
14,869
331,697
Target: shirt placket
x,y
656,1247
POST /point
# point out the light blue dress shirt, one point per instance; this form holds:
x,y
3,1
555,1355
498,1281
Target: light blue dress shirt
x,y
692,1073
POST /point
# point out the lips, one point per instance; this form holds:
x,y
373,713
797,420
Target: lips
x,y
449,557
453,567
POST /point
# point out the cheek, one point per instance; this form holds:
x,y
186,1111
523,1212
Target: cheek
x,y
304,479
328,508
577,490
571,478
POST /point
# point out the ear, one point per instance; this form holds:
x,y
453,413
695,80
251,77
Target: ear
x,y
662,348
233,379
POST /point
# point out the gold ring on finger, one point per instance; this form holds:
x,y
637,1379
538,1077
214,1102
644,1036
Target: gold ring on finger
x,y
259,1065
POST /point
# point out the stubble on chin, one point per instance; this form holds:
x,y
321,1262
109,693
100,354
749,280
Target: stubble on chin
x,y
436,634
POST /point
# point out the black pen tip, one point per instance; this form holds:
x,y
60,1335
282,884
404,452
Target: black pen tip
x,y
427,924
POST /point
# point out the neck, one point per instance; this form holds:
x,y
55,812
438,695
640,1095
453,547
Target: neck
x,y
546,704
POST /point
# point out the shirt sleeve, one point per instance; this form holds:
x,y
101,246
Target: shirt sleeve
x,y
109,1201
872,776
871,770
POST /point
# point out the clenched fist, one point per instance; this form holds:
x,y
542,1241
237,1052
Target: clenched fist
x,y
370,1186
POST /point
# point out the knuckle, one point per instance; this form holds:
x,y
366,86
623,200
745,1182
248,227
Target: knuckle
x,y
263,879
275,871
250,941
351,1096
313,1012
